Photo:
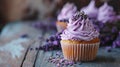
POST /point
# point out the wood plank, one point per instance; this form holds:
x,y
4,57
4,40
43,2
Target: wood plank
x,y
103,59
45,58
13,59
30,57
12,32
42,56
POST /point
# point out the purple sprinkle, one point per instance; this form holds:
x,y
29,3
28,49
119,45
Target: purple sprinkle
x,y
62,60
40,37
114,45
58,65
114,29
31,48
55,42
107,38
36,48
66,63
24,36
71,62
108,48
47,40
58,33
58,53
58,37
118,43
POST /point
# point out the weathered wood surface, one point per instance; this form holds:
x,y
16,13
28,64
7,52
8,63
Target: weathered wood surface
x,y
31,55
38,58
12,53
14,48
103,59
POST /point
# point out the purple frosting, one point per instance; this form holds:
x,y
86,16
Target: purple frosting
x,y
106,14
67,11
91,10
118,17
79,28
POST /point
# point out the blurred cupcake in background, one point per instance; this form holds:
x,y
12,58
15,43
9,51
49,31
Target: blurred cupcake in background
x,y
91,10
106,14
67,11
80,40
107,24
118,17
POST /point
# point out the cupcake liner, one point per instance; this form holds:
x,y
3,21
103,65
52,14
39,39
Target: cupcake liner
x,y
61,26
80,52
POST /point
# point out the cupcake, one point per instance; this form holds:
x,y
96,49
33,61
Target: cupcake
x,y
91,10
67,11
106,14
80,40
118,17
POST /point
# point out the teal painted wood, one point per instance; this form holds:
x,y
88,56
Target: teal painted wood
x,y
15,31
31,55
43,56
103,59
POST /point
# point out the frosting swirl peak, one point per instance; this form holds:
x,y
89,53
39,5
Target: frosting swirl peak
x,y
79,28
67,11
106,14
91,10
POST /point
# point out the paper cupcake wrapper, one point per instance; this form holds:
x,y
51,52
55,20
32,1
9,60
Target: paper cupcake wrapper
x,y
59,28
80,52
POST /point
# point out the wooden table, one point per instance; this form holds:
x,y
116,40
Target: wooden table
x,y
38,58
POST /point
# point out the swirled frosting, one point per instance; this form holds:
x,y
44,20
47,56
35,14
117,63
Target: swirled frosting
x,y
79,28
91,10
106,14
67,11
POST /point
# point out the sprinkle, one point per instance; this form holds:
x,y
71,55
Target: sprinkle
x,y
58,65
31,48
60,61
24,36
36,48
108,48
